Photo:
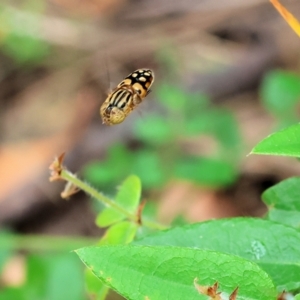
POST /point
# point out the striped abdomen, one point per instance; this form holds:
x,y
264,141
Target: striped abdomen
x,y
129,93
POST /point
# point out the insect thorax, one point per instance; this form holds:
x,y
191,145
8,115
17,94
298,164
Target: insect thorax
x,y
126,96
121,97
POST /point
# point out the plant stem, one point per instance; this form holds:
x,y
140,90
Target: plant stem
x,y
43,242
70,177
154,225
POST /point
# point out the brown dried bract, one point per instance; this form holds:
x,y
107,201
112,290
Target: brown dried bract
x,y
56,168
212,292
233,295
139,212
284,296
69,190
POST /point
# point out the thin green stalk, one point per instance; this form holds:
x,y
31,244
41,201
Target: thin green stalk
x,y
43,243
70,177
154,225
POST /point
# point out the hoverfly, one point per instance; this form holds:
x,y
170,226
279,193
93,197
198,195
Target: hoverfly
x,y
126,96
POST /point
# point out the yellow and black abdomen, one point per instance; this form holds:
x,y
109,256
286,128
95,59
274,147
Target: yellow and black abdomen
x,y
128,94
120,98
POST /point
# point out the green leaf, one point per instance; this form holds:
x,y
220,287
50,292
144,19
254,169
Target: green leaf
x,y
283,202
205,171
218,122
114,168
25,48
109,216
178,101
5,252
172,97
97,173
271,245
128,197
179,221
280,93
17,39
129,193
196,125
290,218
148,166
197,105
226,130
154,130
297,297
48,277
95,288
120,233
142,272
13,293
285,142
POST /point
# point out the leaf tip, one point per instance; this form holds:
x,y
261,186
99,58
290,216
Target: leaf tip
x,y
250,153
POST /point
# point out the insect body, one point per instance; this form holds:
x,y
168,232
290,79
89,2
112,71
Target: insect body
x,y
126,96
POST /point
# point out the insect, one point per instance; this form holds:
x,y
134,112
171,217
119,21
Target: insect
x,y
126,96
